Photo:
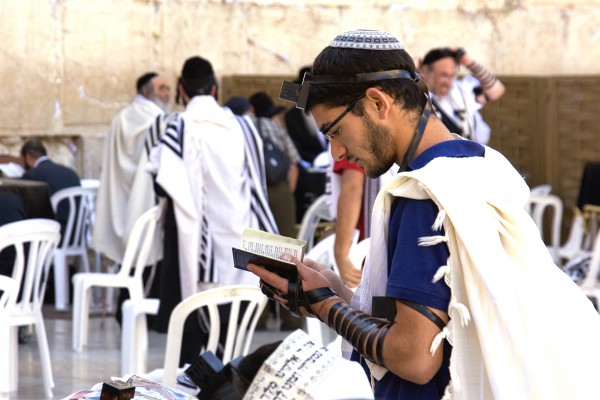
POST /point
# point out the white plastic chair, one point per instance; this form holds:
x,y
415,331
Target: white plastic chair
x,y
239,336
34,241
590,285
93,184
359,252
75,238
145,238
537,206
9,288
542,190
318,211
134,334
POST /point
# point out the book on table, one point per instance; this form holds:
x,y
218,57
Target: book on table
x,y
266,249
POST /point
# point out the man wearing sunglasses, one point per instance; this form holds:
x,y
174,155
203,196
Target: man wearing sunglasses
x,y
459,296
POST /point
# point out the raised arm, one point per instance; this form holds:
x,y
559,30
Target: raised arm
x,y
491,85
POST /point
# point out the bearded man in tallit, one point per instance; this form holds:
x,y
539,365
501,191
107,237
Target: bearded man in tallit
x,y
126,190
459,298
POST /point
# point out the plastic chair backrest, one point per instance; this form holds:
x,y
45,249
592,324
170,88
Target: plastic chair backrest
x,y
9,289
81,205
323,250
591,278
145,237
34,241
239,335
359,252
537,206
318,210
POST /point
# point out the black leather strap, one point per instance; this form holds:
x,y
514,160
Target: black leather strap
x,y
430,315
320,294
294,287
270,291
385,307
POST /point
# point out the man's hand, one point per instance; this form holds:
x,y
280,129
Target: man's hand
x,y
313,275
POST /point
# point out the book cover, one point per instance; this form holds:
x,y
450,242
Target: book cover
x,y
266,249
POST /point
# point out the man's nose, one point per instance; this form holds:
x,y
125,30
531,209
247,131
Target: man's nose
x,y
338,151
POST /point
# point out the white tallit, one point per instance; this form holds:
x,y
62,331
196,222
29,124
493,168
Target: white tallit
x,y
211,172
126,190
520,328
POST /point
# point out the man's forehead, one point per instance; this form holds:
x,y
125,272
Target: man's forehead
x,y
443,63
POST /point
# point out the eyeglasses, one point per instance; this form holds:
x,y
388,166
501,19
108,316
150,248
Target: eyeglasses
x,y
328,128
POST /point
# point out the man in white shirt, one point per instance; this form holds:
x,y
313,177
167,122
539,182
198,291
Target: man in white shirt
x,y
125,190
209,165
457,101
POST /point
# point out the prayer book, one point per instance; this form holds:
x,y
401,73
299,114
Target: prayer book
x,y
11,170
266,249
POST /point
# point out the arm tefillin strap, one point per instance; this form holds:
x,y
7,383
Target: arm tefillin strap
x,y
385,307
297,297
364,332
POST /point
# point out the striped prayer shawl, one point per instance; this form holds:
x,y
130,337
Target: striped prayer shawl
x,y
155,131
173,138
258,185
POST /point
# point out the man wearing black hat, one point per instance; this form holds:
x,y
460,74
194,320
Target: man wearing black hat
x,y
207,166
126,191
281,190
457,101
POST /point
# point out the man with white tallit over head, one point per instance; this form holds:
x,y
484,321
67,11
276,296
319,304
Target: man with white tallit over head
x,y
459,298
209,165
126,190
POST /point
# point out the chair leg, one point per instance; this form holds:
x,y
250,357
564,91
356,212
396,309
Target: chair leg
x,y
134,334
85,261
40,330
9,363
61,281
81,307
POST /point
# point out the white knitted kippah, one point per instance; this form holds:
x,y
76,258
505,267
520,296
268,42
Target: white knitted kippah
x,y
367,39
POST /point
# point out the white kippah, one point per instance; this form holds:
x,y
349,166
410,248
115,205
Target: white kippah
x,y
367,39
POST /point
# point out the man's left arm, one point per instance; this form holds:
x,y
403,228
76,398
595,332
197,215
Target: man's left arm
x,y
492,87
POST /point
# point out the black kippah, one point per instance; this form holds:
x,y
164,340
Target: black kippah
x,y
437,54
196,69
142,80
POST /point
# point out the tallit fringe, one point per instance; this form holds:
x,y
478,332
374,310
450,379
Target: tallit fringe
x,y
432,240
448,393
440,273
438,339
461,309
454,385
439,220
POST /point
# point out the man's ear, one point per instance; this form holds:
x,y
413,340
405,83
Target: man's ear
x,y
381,101
181,94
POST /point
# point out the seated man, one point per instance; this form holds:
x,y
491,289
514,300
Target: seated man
x,y
38,167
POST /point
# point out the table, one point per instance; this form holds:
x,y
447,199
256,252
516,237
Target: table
x,y
35,195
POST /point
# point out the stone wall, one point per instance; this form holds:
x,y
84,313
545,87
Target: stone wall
x,y
68,65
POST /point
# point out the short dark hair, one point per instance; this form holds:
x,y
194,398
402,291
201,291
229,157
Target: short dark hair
x,y
437,54
145,81
344,61
33,147
197,77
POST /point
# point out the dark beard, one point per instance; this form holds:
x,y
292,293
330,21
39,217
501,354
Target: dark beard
x,y
378,141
